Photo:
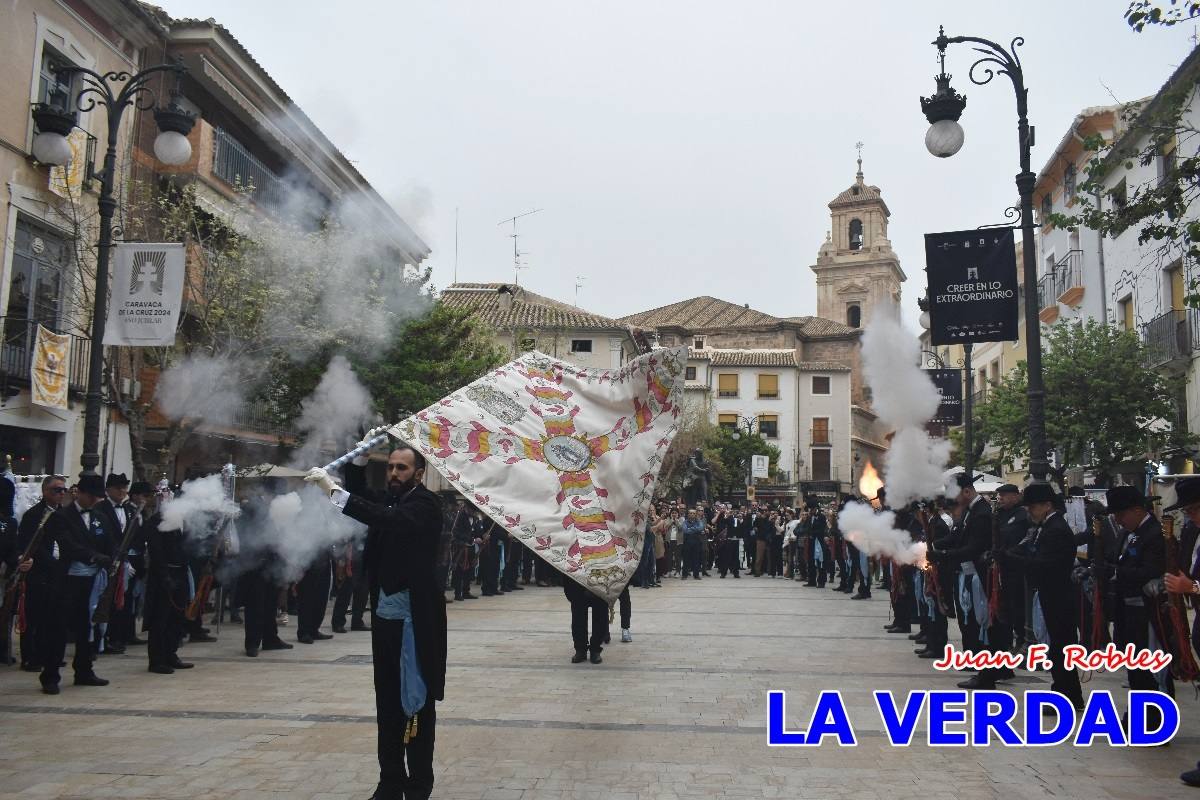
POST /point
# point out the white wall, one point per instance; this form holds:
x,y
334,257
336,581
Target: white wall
x,y
748,404
835,406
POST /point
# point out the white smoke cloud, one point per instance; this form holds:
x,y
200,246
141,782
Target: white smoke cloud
x,y
876,534
203,387
300,526
333,413
905,399
200,509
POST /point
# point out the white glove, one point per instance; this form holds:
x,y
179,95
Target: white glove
x,y
321,478
364,459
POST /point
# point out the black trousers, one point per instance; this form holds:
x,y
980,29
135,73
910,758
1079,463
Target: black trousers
x,y
512,562
527,561
77,619
775,548
489,567
750,545
312,597
462,568
260,605
583,603
37,608
817,573
1133,627
693,552
405,770
967,625
727,557
626,608
52,633
166,598
352,595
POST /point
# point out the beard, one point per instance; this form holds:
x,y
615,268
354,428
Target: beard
x,y
401,487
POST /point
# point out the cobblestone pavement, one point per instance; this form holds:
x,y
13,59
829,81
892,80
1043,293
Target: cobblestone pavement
x,y
679,713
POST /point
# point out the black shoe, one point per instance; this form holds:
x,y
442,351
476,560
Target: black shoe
x,y
1005,674
1191,777
338,628
30,668
721,576
134,641
201,637
918,637
114,649
278,644
320,637
595,658
305,639
976,682
50,688
236,618
737,575
905,629
90,680
180,664
252,652
515,588
358,626
928,654
861,596
161,669
579,657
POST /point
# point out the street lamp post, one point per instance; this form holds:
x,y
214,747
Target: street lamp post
x,y
748,423
944,139
116,91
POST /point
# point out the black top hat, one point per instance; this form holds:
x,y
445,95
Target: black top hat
x,y
91,484
1076,491
1038,493
141,487
966,482
1008,488
1187,493
116,481
1123,498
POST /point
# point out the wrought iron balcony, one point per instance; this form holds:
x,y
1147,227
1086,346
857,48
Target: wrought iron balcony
x,y
1171,337
235,165
261,416
16,353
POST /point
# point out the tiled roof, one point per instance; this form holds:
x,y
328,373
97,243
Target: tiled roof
x,y
529,310
859,192
823,366
700,313
751,358
819,326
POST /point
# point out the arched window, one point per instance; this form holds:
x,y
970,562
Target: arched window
x,y
856,234
853,316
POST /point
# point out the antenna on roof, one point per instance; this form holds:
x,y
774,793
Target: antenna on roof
x,y
456,244
516,252
579,279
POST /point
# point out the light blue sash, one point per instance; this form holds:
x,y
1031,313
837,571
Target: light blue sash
x,y
413,693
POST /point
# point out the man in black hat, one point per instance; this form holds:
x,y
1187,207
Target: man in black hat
x,y
122,514
1047,557
166,589
86,543
1141,558
1012,521
970,539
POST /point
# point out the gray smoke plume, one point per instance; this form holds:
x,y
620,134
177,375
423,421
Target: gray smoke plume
x,y
332,414
203,387
303,525
905,399
201,509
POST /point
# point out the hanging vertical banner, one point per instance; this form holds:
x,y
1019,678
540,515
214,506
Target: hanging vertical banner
x,y
949,384
67,181
973,289
48,368
147,293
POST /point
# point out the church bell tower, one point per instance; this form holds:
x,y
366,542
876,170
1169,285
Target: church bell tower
x,y
858,273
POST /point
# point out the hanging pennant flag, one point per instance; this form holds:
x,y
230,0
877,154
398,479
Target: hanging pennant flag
x,y
564,458
147,293
48,368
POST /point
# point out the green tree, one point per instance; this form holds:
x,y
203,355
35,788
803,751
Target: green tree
x,y
428,358
1103,405
1147,12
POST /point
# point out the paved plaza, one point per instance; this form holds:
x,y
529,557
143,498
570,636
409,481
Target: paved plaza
x,y
679,713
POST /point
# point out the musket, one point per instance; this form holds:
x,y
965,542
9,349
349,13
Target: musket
x,y
1173,629
14,584
116,573
204,585
994,580
1098,625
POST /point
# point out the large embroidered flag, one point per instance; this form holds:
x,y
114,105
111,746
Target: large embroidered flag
x,y
564,458
48,368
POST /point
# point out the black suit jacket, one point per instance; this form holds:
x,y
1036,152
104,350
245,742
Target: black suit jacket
x,y
77,541
975,535
45,568
403,543
1143,559
1048,564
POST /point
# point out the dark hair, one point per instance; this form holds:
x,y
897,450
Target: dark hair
x,y
49,479
418,459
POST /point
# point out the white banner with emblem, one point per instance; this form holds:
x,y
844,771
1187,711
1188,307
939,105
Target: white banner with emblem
x,y
147,293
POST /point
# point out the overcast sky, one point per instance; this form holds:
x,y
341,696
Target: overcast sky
x,y
679,148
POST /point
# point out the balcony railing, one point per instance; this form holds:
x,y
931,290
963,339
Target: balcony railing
x,y
1045,291
16,353
261,416
1171,337
234,164
1063,283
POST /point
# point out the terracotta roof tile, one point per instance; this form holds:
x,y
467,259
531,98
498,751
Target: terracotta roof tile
x,y
701,313
529,310
822,366
819,326
751,358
